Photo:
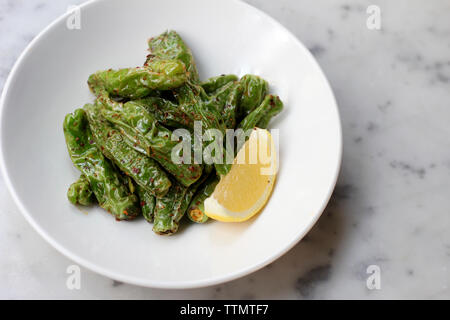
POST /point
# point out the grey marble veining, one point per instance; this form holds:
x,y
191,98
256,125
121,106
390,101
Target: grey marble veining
x,y
391,205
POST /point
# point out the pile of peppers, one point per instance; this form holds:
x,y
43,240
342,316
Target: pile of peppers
x,y
122,142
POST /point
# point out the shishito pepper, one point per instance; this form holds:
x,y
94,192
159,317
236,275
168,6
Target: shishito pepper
x,y
145,171
274,108
193,100
229,103
215,83
260,117
191,96
196,210
169,45
143,133
167,112
147,202
254,91
80,192
139,82
104,180
171,208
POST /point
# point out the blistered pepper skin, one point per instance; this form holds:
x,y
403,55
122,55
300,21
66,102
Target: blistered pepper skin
x,y
135,83
254,90
275,108
194,100
196,210
169,45
143,133
80,192
231,105
171,208
147,202
145,171
105,182
191,95
261,116
167,112
215,83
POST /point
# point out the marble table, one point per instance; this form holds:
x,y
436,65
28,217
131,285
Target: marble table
x,y
390,210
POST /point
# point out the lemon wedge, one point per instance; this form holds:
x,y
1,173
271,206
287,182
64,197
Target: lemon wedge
x,y
245,190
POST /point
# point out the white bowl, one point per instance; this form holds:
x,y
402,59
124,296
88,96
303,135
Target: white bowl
x,y
49,80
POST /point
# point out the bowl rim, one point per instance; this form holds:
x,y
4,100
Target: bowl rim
x,y
136,280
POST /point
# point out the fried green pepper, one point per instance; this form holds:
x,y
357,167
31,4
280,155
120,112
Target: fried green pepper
x,y
261,116
147,202
135,83
145,171
105,182
80,192
196,210
169,45
230,106
191,97
170,209
222,107
220,96
215,83
143,133
146,199
255,88
276,108
167,112
194,101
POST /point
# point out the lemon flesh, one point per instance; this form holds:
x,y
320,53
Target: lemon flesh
x,y
245,190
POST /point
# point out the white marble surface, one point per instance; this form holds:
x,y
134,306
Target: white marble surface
x,y
391,205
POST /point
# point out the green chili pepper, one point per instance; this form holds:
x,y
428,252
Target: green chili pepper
x,y
146,135
255,88
110,192
145,171
196,210
167,112
215,83
194,100
170,209
220,96
259,117
80,192
127,126
191,96
270,107
135,83
147,202
276,106
225,101
169,45
230,106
